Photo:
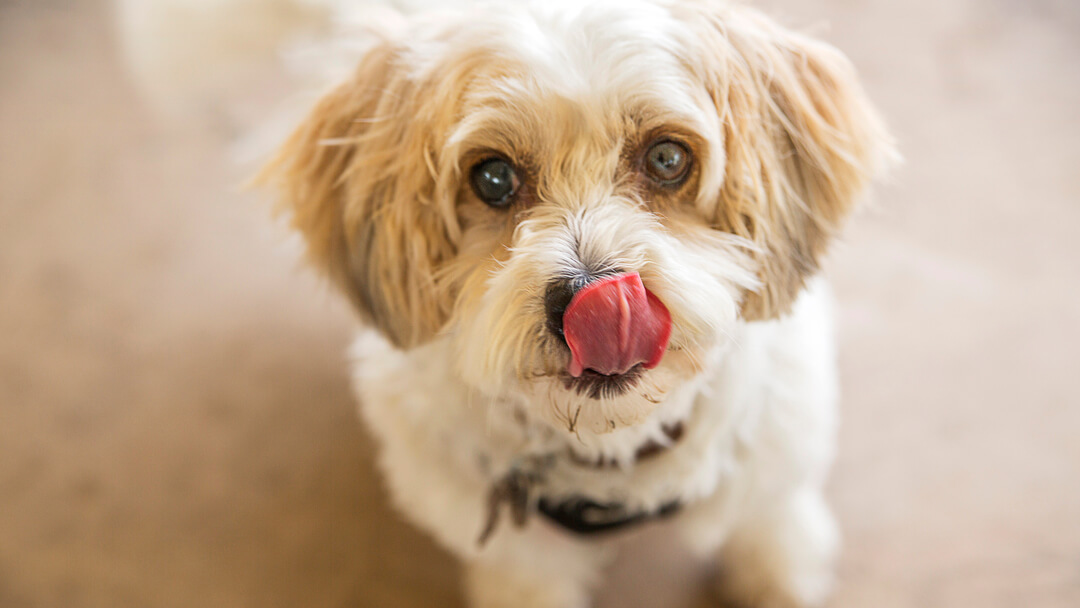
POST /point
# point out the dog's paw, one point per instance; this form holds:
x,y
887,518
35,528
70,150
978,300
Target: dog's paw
x,y
493,587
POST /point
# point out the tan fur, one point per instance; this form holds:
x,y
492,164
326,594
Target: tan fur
x,y
802,142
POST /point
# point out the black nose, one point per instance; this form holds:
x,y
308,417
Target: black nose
x,y
556,299
559,294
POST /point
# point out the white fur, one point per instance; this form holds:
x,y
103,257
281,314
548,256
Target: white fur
x,y
760,424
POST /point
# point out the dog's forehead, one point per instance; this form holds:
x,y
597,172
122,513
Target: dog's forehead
x,y
597,46
590,70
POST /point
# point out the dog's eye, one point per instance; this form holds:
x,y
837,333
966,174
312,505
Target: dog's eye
x,y
668,163
494,181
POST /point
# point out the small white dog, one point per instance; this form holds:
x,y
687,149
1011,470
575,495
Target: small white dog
x,y
582,236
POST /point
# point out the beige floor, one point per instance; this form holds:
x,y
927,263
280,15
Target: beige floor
x,y
175,422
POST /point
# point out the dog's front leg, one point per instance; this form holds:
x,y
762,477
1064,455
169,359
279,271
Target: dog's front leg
x,y
532,564
782,557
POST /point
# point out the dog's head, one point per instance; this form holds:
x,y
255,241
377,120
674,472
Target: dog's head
x,y
581,199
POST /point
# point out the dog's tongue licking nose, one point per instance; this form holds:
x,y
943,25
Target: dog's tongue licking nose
x,y
614,324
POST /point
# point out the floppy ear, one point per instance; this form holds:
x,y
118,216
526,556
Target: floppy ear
x,y
801,142
357,180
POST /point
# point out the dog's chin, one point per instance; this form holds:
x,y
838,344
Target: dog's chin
x,y
595,385
599,404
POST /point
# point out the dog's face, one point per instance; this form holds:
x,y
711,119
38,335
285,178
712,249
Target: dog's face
x,y
473,179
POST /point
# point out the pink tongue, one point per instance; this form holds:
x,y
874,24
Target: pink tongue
x,y
614,324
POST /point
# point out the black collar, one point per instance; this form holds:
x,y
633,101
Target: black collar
x,y
576,514
583,516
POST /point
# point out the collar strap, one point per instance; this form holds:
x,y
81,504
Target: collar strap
x,y
583,516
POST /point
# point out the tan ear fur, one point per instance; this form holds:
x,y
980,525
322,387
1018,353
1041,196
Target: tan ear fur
x,y
801,142
357,182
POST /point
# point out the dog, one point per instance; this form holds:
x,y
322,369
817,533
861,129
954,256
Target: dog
x,y
583,240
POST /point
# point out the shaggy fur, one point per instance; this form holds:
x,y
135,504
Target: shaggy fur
x,y
459,378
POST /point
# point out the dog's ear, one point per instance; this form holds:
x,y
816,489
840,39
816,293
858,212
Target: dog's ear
x,y
357,179
801,142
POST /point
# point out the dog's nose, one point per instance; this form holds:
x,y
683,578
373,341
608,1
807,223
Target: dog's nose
x,y
557,297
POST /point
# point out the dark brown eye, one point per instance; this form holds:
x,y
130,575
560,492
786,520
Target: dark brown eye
x,y
668,163
494,181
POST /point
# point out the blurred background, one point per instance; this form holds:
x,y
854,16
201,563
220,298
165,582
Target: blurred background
x,y
176,426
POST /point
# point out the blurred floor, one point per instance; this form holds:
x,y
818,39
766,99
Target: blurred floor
x,y
176,427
